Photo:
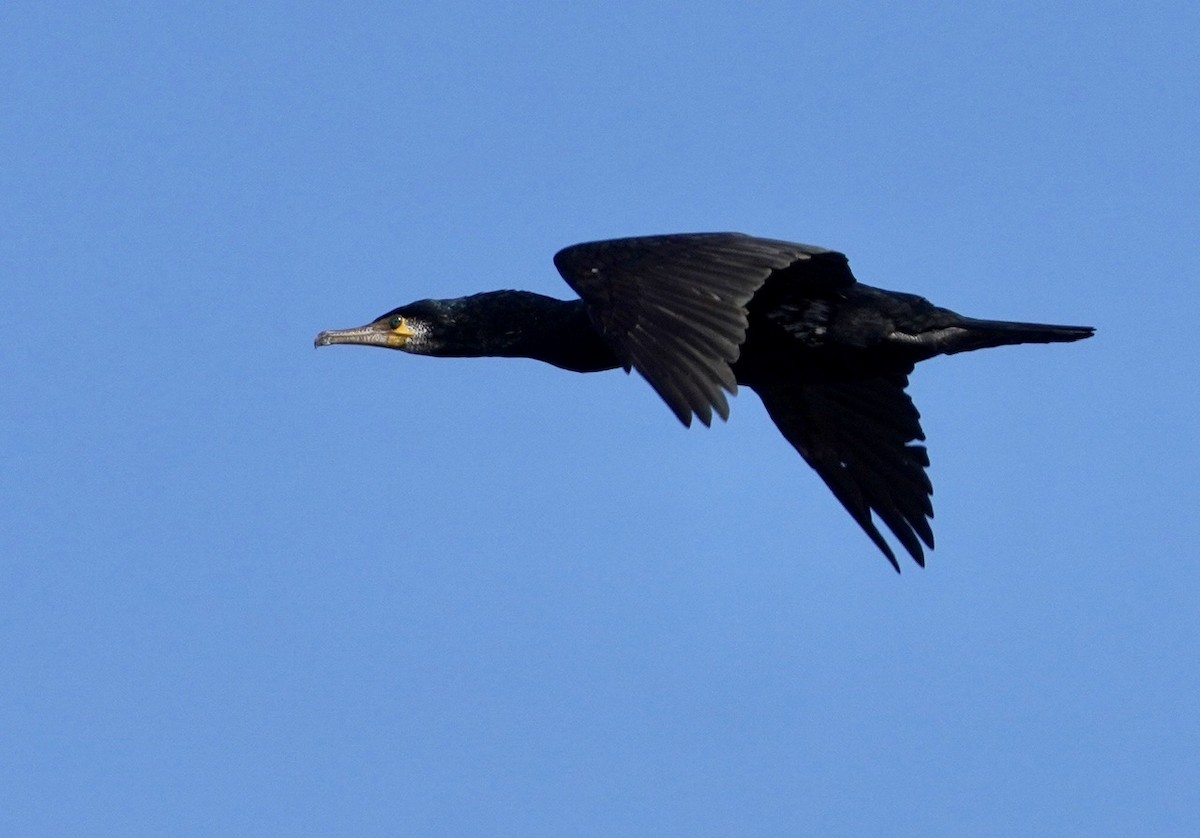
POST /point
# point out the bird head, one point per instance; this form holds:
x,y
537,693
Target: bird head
x,y
406,328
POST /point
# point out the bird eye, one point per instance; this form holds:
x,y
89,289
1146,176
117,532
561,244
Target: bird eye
x,y
396,322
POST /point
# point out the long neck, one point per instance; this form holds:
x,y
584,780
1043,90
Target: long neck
x,y
521,324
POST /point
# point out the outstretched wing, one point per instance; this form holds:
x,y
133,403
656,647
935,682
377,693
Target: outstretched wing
x,y
861,434
674,307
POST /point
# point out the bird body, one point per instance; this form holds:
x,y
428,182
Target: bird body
x,y
699,314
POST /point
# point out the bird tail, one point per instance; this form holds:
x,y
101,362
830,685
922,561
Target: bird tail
x,y
982,334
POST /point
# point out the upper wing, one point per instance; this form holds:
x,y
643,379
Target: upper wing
x,y
860,434
674,307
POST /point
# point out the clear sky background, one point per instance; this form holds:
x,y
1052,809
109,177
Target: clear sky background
x,y
251,588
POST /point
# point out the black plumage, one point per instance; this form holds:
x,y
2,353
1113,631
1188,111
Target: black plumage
x,y
698,314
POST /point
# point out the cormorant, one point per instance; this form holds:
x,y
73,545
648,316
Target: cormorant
x,y
698,314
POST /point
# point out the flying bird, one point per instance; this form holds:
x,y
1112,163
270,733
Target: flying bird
x,y
698,314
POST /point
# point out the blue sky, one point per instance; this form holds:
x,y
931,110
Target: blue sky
x,y
249,588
